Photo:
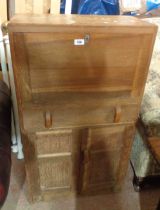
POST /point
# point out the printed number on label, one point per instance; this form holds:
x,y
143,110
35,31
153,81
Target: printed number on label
x,y
79,42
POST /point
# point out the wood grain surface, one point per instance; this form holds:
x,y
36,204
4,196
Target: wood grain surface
x,y
79,83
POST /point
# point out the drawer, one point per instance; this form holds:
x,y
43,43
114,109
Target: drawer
x,y
36,118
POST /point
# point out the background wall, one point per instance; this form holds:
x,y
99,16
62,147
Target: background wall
x,y
3,10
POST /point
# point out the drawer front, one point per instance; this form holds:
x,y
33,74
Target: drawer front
x,y
105,155
35,119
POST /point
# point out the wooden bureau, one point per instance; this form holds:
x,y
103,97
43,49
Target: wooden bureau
x,y
79,83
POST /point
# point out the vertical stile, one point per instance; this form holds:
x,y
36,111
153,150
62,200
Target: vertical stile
x,y
29,6
20,6
46,6
3,10
55,6
37,6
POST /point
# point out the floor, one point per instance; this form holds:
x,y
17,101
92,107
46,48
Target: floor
x,y
127,199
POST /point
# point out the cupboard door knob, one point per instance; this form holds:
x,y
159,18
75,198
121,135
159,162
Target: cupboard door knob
x,y
48,119
118,114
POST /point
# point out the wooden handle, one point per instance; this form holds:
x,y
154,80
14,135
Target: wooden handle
x,y
118,114
48,119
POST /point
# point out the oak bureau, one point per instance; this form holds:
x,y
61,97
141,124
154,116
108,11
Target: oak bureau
x,y
79,84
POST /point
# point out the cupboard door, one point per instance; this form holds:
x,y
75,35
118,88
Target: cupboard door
x,y
105,152
55,161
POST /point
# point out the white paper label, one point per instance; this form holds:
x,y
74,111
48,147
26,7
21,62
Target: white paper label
x,y
131,4
79,42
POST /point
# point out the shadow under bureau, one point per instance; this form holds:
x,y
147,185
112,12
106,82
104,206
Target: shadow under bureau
x,y
79,84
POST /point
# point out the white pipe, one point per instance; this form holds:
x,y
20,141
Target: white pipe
x,y
6,80
14,137
68,7
3,59
14,99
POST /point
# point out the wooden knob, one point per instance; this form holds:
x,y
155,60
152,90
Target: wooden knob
x,y
118,114
48,119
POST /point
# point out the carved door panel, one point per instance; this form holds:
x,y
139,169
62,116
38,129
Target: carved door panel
x,y
56,161
105,157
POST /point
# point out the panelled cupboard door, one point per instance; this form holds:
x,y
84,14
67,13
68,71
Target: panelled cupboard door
x,y
56,158
105,152
61,54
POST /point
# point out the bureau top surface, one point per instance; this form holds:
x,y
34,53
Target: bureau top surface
x,y
31,21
